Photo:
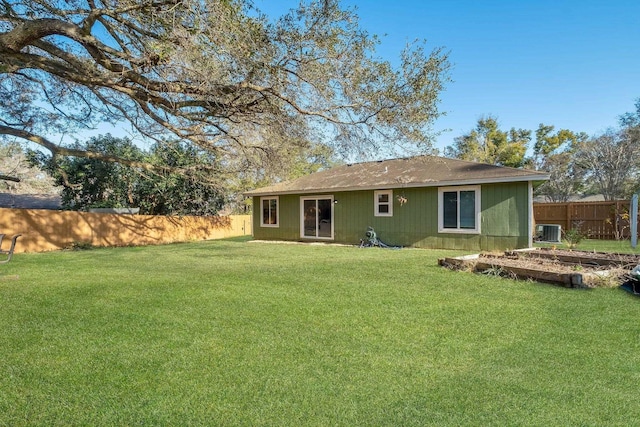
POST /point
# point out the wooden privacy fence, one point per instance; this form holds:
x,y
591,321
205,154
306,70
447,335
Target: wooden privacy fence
x,y
597,220
45,230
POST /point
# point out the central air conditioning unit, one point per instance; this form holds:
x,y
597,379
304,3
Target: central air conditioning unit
x,y
551,233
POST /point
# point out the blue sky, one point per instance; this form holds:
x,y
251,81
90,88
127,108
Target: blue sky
x,y
571,64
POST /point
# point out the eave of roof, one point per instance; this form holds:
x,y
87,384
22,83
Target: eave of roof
x,y
30,201
422,171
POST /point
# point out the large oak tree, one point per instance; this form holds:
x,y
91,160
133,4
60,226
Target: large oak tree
x,y
218,74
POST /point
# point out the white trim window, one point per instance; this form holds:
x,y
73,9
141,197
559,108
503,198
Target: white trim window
x,y
270,208
383,203
459,209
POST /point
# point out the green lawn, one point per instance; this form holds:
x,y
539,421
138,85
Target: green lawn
x,y
236,333
621,246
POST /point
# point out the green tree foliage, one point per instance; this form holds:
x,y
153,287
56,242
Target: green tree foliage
x,y
555,152
94,183
548,142
175,193
217,74
486,143
631,120
161,190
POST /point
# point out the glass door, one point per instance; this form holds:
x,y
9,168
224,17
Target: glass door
x,y
316,217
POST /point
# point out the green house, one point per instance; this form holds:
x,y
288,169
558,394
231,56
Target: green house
x,y
424,202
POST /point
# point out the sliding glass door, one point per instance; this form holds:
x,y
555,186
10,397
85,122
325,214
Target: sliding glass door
x,y
316,217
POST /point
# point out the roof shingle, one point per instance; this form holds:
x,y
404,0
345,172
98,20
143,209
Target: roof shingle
x,y
420,171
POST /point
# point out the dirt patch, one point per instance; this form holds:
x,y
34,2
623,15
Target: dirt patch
x,y
578,269
571,257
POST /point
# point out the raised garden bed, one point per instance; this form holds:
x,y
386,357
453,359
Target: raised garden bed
x,y
575,269
587,258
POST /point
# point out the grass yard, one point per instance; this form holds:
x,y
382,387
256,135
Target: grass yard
x,y
236,333
620,246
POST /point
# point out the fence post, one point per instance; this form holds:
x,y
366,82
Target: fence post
x,y
634,221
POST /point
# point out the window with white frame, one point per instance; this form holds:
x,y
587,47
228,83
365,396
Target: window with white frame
x,y
270,212
459,209
383,203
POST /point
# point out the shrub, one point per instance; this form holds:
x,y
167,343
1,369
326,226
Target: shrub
x,y
573,237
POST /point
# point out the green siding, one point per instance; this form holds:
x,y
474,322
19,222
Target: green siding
x,y
289,227
505,215
504,219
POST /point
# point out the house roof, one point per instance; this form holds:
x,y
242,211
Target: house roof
x,y
574,198
30,201
420,171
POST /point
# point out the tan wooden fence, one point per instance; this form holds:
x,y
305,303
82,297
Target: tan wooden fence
x,y
45,230
598,220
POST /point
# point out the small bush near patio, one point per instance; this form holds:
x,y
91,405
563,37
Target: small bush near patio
x,y
573,237
236,333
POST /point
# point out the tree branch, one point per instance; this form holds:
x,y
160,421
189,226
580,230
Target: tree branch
x,y
9,178
57,150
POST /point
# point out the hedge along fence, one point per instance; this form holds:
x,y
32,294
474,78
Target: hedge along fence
x,y
598,220
46,230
